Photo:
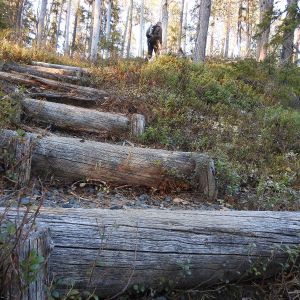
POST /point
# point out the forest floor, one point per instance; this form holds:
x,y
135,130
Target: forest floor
x,y
243,114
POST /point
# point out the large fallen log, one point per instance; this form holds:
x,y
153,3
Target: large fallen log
x,y
108,251
40,72
87,93
77,159
82,119
63,67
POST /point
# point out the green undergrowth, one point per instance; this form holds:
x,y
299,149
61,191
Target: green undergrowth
x,y
245,114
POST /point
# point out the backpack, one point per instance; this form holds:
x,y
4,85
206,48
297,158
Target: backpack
x,y
150,31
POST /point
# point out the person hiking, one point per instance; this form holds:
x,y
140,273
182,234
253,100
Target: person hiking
x,y
154,39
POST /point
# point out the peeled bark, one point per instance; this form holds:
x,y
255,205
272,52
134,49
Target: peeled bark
x,y
204,15
266,8
79,119
74,159
108,251
82,92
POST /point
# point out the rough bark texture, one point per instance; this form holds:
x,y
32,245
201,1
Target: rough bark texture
x,y
60,67
80,119
76,159
91,94
108,250
266,7
204,14
38,243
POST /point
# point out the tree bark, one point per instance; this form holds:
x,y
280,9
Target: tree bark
x,y
112,250
60,67
290,25
97,11
165,23
108,28
204,14
75,27
125,31
228,28
181,24
142,21
239,28
41,22
185,28
80,119
266,8
67,34
130,29
74,159
59,23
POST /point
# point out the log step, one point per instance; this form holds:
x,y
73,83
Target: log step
x,y
82,119
76,159
107,250
62,67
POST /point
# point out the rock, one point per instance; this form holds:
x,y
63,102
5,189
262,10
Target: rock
x,y
116,207
67,205
168,199
144,198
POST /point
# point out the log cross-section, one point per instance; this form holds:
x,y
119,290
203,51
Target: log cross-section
x,y
108,250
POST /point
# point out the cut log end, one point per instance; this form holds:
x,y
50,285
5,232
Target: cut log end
x,y
138,123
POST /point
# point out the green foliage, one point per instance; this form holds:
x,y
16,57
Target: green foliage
x,y
31,266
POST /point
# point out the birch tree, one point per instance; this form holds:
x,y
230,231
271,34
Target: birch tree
x,y
165,21
41,22
204,14
67,31
97,8
266,10
289,26
130,29
141,47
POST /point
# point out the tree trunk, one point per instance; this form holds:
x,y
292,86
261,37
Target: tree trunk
x,y
80,119
41,22
248,30
74,159
239,28
67,33
142,21
97,11
266,8
30,247
204,14
125,31
297,56
290,25
228,28
165,23
75,27
18,20
108,28
60,67
185,28
130,29
74,91
181,24
59,24
109,251
212,37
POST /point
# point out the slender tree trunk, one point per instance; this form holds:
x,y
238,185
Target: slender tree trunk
x,y
297,56
75,26
185,28
181,24
239,29
212,36
67,33
125,31
165,22
248,29
290,24
108,28
91,29
141,48
59,23
204,14
266,8
41,22
18,20
228,28
130,29
97,10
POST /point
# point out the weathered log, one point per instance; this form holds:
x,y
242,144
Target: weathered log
x,y
88,93
109,250
41,72
77,159
63,67
17,159
75,118
27,274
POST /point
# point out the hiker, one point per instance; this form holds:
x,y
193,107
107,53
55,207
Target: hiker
x,y
154,39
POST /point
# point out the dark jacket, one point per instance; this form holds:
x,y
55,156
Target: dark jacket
x,y
154,34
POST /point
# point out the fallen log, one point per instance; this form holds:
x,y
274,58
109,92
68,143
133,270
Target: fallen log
x,y
40,72
63,67
82,119
109,251
77,159
90,94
